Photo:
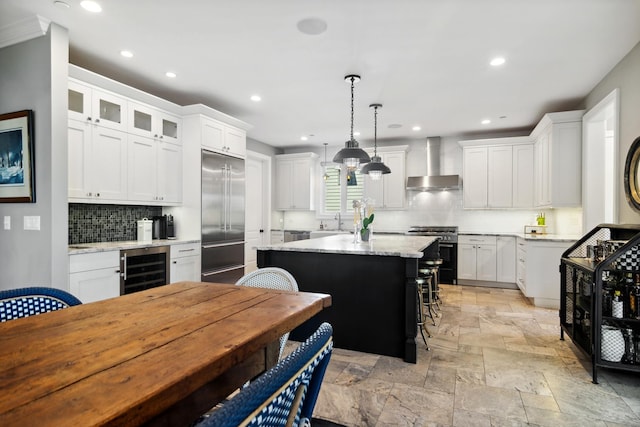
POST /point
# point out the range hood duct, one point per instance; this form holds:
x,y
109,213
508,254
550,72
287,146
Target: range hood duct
x,y
433,181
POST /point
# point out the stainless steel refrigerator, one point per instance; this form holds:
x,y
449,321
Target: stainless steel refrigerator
x,y
223,195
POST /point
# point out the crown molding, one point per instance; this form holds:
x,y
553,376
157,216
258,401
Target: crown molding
x,y
23,30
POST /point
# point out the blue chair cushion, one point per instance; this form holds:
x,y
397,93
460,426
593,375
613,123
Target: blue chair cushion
x,y
24,302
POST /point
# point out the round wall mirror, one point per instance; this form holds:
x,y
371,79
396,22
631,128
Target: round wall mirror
x,y
632,175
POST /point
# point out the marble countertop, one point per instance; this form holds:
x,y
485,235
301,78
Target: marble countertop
x,y
380,245
85,248
528,236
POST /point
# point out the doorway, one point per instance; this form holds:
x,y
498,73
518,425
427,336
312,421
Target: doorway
x,y
600,163
258,205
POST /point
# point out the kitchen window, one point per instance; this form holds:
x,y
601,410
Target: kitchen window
x,y
340,189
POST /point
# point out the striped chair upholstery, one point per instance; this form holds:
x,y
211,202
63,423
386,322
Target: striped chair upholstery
x,y
285,393
25,302
271,278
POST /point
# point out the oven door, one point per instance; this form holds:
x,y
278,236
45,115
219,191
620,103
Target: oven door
x,y
449,267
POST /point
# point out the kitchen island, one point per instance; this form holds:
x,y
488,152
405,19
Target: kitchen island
x,y
372,284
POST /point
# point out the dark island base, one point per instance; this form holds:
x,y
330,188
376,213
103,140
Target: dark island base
x,y
374,298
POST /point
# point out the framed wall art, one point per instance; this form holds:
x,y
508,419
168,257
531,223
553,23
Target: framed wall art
x,y
17,158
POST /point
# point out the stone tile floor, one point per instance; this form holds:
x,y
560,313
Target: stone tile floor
x,y
495,360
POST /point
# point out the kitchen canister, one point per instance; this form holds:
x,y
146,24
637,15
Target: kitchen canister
x,y
145,233
612,345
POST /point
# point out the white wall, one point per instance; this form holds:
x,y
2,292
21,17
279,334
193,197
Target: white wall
x,y
33,76
625,77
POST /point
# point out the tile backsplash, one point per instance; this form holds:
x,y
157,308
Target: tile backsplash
x,y
106,223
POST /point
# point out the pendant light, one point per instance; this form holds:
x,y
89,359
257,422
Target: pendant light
x,y
375,169
324,164
351,155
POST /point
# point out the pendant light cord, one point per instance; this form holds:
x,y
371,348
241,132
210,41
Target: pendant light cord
x,y
375,130
352,82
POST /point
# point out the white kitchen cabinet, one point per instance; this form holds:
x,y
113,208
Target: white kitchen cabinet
x,y
487,176
155,171
466,261
498,173
539,276
486,261
477,257
277,236
500,176
91,104
474,176
295,181
185,263
389,191
506,259
150,122
558,159
224,139
97,163
521,265
94,276
523,173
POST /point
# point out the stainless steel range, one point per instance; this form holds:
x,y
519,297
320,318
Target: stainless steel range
x,y
448,248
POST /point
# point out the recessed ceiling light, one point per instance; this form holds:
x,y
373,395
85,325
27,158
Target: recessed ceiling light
x,y
485,121
312,26
303,138
416,128
395,126
256,98
497,61
126,53
91,6
170,74
61,3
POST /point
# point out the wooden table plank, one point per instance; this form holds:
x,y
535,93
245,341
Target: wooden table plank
x,y
144,352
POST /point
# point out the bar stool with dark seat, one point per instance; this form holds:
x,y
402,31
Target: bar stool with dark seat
x,y
429,268
421,282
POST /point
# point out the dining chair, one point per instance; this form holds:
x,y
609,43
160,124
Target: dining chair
x,y
284,395
25,302
272,278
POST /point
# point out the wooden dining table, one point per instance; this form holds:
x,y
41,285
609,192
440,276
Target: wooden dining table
x,y
163,356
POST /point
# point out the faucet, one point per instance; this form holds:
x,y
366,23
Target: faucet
x,y
339,218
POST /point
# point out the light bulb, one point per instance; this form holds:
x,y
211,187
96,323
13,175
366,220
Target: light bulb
x,y
375,175
352,162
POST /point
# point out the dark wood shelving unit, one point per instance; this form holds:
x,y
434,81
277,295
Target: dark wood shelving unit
x,y
582,294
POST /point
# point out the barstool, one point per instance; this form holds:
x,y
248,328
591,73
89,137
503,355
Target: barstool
x,y
431,269
420,282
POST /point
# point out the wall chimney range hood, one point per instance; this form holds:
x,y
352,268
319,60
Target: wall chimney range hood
x,y
433,181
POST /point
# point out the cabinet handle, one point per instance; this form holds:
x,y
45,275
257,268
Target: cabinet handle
x,y
117,271
97,120
175,262
186,250
97,194
89,118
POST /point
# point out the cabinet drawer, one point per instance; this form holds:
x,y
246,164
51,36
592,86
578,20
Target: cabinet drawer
x,y
185,249
477,240
94,261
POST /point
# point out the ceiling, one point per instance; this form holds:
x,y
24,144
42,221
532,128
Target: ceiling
x,y
426,61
